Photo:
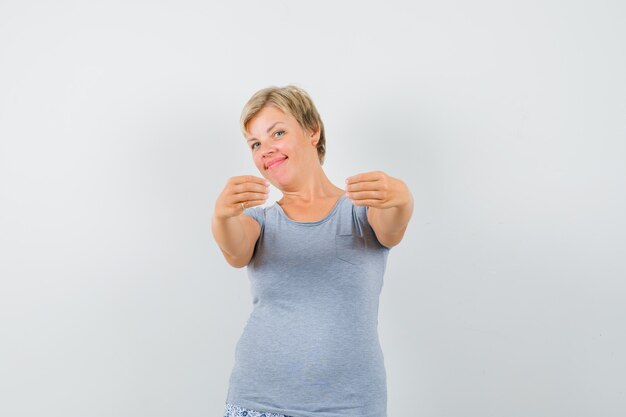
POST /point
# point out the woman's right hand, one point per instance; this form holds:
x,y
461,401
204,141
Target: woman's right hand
x,y
247,189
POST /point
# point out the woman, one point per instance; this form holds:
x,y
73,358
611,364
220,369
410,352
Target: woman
x,y
315,260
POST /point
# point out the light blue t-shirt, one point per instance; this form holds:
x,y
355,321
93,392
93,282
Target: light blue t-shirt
x,y
310,347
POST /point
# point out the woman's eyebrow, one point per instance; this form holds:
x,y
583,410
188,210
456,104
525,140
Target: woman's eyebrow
x,y
268,129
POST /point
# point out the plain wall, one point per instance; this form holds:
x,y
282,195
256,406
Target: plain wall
x,y
119,128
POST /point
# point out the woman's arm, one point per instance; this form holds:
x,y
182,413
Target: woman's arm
x,y
236,233
391,223
236,237
390,204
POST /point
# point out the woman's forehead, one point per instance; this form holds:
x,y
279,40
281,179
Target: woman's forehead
x,y
269,112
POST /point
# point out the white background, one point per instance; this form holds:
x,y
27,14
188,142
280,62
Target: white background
x,y
119,128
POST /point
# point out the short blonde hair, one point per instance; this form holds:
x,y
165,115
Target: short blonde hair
x,y
292,100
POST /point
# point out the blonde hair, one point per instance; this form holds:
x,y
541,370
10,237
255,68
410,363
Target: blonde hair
x,y
292,100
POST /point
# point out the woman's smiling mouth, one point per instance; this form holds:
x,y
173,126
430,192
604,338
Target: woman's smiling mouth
x,y
275,163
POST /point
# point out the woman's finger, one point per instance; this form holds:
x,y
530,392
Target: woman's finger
x,y
361,195
243,197
252,203
243,179
372,203
364,186
249,186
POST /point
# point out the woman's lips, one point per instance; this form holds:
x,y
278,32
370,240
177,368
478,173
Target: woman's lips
x,y
276,163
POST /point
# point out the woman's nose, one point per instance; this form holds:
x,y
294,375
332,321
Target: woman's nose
x,y
267,149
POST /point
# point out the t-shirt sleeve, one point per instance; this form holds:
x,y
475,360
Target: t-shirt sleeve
x,y
257,213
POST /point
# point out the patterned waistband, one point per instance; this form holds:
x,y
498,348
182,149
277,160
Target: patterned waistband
x,y
232,410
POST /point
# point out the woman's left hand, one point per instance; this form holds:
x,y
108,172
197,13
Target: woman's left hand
x,y
377,189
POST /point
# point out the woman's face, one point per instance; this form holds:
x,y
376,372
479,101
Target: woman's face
x,y
280,148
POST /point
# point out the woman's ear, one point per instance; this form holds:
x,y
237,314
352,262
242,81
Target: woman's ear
x,y
315,136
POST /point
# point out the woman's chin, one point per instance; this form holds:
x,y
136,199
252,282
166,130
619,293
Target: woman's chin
x,y
279,184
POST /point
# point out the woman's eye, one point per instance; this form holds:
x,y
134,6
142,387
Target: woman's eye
x,y
255,143
281,133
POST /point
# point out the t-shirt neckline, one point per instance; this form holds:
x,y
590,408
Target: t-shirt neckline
x,y
328,216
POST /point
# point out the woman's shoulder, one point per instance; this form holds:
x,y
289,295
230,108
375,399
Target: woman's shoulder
x,y
258,213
